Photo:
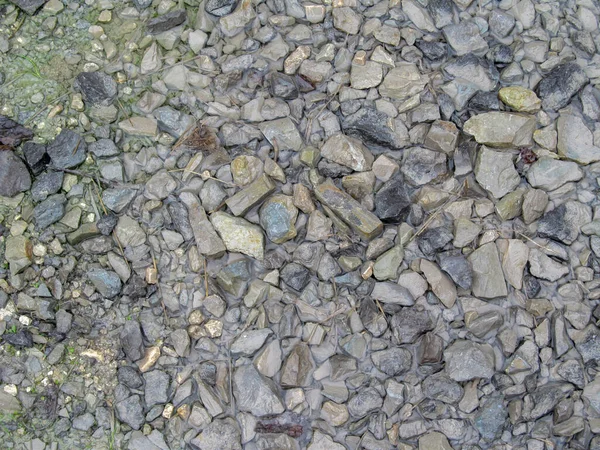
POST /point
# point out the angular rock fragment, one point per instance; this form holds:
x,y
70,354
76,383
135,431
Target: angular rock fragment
x,y
254,393
278,217
348,152
68,150
252,195
560,84
564,222
495,172
575,140
14,176
282,133
466,360
207,240
501,129
239,235
402,82
97,88
488,280
549,173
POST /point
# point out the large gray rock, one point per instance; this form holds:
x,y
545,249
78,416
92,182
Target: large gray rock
x,y
131,411
465,38
501,129
68,150
97,88
495,172
564,222
575,140
29,6
156,387
106,282
255,393
347,151
49,211
402,82
14,176
560,84
549,173
220,433
422,166
467,360
488,279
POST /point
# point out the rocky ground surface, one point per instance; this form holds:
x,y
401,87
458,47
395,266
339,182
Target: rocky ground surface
x,y
347,224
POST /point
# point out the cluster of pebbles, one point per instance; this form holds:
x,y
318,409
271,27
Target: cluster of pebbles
x,y
282,224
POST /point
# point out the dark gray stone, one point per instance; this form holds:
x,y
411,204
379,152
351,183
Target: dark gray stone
x,y
490,418
370,126
97,88
564,222
166,21
435,51
392,202
485,101
409,323
546,397
393,361
36,157
29,6
422,166
46,184
156,388
21,338
440,387
131,411
587,343
366,401
12,133
502,54
295,276
458,267
130,377
106,224
14,176
106,282
560,84
220,8
283,86
142,4
68,150
180,218
132,341
172,121
103,148
442,12
433,240
118,199
223,434
49,211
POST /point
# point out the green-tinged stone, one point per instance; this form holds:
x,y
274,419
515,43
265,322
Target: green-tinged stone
x,y
520,99
83,233
18,253
501,129
239,235
349,263
386,266
255,193
207,240
510,205
310,156
278,217
349,210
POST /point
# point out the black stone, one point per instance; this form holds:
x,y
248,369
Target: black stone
x,y
29,6
14,176
180,219
295,276
371,127
132,341
330,169
484,101
97,88
435,51
408,324
36,157
68,150
458,267
531,285
12,133
49,211
46,184
107,223
560,84
220,8
556,225
166,21
21,338
135,287
392,203
283,86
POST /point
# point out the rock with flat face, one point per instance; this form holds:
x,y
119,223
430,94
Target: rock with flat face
x,y
97,88
348,151
488,280
376,129
298,367
575,140
278,217
106,282
14,176
501,129
560,84
544,267
239,235
465,38
466,360
549,173
166,21
392,202
402,82
255,393
207,240
495,172
422,166
68,150
564,222
220,8
440,283
520,99
29,6
282,133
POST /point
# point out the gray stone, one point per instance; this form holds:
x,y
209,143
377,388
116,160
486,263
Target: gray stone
x,y
402,82
392,293
501,129
587,343
575,140
549,173
255,393
49,211
107,283
440,284
129,233
278,217
465,38
440,387
365,401
207,240
97,88
376,130
282,133
220,433
542,266
167,21
564,222
490,418
156,388
249,342
29,6
131,411
466,360
488,279
495,172
118,199
160,186
560,84
298,367
220,8
172,121
422,166
68,150
392,362
408,324
250,196
239,235
14,176
347,151
83,422
103,148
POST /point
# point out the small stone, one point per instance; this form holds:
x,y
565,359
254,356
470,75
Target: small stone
x,y
139,126
466,360
366,76
520,99
160,186
131,411
347,151
542,266
167,21
255,193
490,418
402,82
365,401
534,205
488,280
97,88
49,211
129,232
422,166
18,253
298,367
440,284
392,293
220,8
385,168
392,362
409,324
465,38
14,176
495,172
207,240
220,433
346,20
442,137
156,385
68,150
501,129
434,441
282,133
249,342
239,235
107,283
392,203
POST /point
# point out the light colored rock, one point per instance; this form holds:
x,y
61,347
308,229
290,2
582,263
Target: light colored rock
x,y
366,76
549,173
255,393
348,151
495,172
440,283
239,235
139,126
488,279
467,360
282,133
575,140
418,15
542,266
520,99
534,205
402,82
207,240
515,255
501,129
347,20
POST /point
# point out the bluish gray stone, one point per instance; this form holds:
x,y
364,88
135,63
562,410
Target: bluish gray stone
x,y
14,176
560,84
103,148
97,88
46,184
107,283
68,150
49,211
172,121
156,388
131,411
132,341
118,199
490,418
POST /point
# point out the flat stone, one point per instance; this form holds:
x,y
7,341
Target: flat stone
x,y
220,8
560,84
365,401
239,235
220,433
422,166
403,82
282,133
118,199
252,195
349,210
442,137
346,20
36,157
156,386
587,343
501,129
29,6
564,222
515,255
488,280
107,283
434,441
575,140
466,360
549,173
14,176
418,15
534,205
172,121
392,293
366,76
103,148
348,151
131,411
139,126
465,38
376,130
97,88
495,172
392,202
68,150
249,342
490,418
278,218
410,323
441,285
167,21
392,362
298,367
129,232
542,266
207,240
520,99
49,211
18,253
255,393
